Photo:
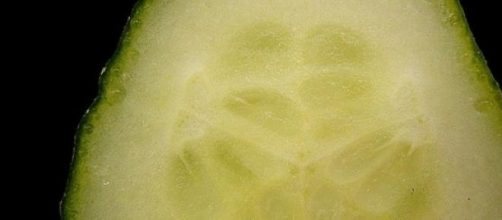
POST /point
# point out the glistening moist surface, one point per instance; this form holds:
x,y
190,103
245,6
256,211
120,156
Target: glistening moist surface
x,y
292,110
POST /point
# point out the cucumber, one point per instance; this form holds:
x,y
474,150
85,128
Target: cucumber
x,y
292,109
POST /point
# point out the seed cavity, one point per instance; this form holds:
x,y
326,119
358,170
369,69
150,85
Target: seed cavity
x,y
334,45
266,108
362,157
190,190
258,49
334,90
263,37
225,156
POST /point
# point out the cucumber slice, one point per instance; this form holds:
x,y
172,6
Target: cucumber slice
x,y
292,109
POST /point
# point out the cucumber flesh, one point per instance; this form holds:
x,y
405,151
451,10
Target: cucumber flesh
x,y
292,109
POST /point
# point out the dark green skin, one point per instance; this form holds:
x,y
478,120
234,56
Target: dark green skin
x,y
103,98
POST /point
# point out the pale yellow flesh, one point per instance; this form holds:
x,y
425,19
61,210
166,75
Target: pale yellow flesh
x,y
293,109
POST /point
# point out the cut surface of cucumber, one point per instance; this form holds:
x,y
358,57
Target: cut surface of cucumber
x,y
292,109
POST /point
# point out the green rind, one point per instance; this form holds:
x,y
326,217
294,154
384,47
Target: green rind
x,y
488,82
85,125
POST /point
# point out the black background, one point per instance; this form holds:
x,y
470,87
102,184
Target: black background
x,y
75,39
